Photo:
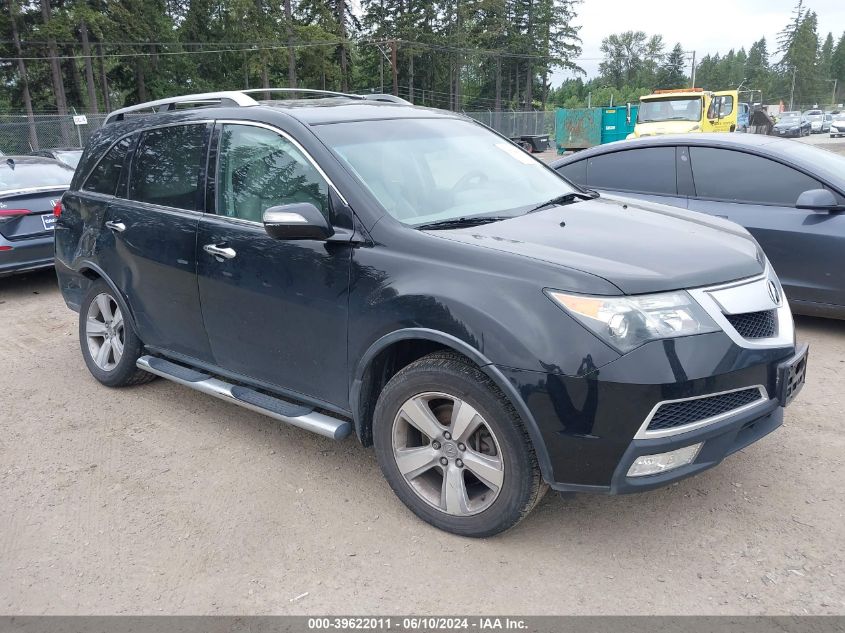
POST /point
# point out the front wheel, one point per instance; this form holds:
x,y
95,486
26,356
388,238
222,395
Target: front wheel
x,y
453,448
110,346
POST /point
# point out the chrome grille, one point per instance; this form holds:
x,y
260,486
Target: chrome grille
x,y
674,414
752,325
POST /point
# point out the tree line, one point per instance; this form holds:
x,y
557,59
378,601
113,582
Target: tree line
x,y
97,55
802,68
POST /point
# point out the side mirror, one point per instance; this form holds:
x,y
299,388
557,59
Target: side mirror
x,y
817,200
298,221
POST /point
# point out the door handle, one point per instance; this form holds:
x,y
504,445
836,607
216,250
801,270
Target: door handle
x,y
217,251
120,227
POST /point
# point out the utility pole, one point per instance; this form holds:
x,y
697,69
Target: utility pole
x,y
692,73
792,93
395,72
833,96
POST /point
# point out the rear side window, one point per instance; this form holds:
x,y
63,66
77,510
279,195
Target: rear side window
x,y
575,172
166,166
647,170
739,177
106,174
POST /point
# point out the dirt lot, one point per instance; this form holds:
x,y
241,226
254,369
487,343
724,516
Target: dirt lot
x,y
158,499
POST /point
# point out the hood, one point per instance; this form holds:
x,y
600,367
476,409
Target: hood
x,y
638,247
788,124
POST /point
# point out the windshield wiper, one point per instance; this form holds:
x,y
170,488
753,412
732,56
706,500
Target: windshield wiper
x,y
567,198
458,223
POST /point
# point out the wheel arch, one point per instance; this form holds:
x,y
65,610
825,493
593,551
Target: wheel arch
x,y
407,345
92,272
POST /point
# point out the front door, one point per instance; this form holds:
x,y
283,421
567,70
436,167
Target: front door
x,y
148,242
275,310
806,248
722,112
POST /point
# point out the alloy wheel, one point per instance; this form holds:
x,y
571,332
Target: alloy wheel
x,y
104,331
447,453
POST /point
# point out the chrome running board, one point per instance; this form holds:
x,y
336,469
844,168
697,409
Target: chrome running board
x,y
298,415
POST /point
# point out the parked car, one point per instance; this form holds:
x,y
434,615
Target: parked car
x,y
789,195
69,157
30,187
792,124
837,124
354,266
816,118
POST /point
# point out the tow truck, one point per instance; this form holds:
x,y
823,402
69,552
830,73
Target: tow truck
x,y
686,110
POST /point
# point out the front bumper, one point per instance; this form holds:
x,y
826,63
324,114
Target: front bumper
x,y
790,132
589,423
25,254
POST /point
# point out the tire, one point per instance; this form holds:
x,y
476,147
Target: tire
x,y
494,444
109,345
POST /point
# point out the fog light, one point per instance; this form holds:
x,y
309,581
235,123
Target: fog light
x,y
661,462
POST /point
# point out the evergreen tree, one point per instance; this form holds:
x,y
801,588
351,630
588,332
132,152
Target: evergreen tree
x,y
672,73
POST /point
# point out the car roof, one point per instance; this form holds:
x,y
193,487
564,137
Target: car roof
x,y
309,111
339,110
800,155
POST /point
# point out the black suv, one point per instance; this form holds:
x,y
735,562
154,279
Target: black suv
x,y
355,265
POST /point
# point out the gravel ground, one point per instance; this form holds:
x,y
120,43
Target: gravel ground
x,y
157,499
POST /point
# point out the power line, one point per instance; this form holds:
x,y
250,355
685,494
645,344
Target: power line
x,y
276,45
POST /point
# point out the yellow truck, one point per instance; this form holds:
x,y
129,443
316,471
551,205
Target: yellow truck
x,y
686,110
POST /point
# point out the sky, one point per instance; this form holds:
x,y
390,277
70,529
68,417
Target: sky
x,y
705,27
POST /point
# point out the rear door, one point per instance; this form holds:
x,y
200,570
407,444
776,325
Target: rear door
x,y
806,248
147,244
648,173
275,310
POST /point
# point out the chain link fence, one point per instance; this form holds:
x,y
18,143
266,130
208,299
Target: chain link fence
x,y
19,135
511,123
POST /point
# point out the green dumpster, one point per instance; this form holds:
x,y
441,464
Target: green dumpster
x,y
617,123
577,128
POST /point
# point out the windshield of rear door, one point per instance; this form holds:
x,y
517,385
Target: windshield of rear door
x,y
655,110
428,170
19,175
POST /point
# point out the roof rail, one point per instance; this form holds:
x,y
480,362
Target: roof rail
x,y
233,98
226,97
327,93
388,98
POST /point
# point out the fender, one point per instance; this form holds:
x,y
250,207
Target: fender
x,y
84,265
484,364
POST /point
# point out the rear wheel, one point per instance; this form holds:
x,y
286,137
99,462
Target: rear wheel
x,y
453,449
109,345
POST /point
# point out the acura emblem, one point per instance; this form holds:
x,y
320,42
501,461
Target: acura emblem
x,y
774,293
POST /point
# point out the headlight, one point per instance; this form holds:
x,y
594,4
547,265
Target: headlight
x,y
626,323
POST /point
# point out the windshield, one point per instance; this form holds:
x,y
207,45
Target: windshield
x,y
25,175
790,118
669,110
430,170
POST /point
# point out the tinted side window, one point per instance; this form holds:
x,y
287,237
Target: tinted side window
x,y
740,177
166,166
259,169
647,170
106,174
575,172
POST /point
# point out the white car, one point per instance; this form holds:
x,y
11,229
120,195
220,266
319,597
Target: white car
x,y
817,122
837,124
